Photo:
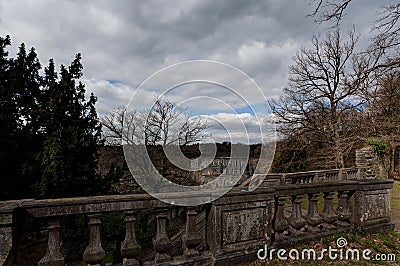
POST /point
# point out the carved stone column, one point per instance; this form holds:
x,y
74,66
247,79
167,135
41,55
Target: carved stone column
x,y
192,238
129,247
280,223
162,243
94,253
297,220
53,255
313,217
328,214
343,211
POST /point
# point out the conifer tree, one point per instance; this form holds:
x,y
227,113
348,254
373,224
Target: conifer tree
x,y
49,131
72,134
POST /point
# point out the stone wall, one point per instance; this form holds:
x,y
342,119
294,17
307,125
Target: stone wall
x,y
367,159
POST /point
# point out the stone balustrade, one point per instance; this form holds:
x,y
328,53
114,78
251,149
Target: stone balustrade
x,y
333,175
228,230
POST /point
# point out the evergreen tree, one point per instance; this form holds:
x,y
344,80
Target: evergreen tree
x,y
49,132
25,83
19,92
8,121
72,134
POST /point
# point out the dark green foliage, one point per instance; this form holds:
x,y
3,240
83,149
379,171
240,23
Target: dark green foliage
x,y
113,226
19,104
49,133
72,133
379,146
75,232
290,157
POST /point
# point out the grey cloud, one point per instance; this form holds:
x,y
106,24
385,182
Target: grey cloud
x,y
130,40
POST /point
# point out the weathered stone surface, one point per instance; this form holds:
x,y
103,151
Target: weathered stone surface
x,y
53,255
280,222
343,209
94,252
6,229
5,243
192,237
313,218
239,223
367,159
242,225
129,247
328,214
296,220
372,201
162,243
234,226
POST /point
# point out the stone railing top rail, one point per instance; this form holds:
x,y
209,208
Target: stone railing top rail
x,y
98,204
320,171
287,176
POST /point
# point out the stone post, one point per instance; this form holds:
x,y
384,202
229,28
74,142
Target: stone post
x,y
94,253
313,217
296,220
328,215
129,247
162,243
192,238
372,205
343,211
53,255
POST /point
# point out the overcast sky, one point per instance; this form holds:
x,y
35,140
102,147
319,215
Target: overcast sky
x,y
124,42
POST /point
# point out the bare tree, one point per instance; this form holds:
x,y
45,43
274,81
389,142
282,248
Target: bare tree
x,y
329,10
164,124
322,96
122,126
378,68
381,120
168,124
383,51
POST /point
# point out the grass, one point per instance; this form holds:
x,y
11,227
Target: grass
x,y
395,203
381,243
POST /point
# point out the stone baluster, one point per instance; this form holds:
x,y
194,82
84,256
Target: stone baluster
x,y
130,249
343,211
283,179
162,243
341,176
328,215
192,238
94,253
296,220
280,224
53,255
313,217
329,177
